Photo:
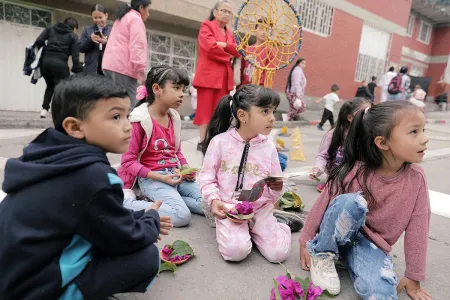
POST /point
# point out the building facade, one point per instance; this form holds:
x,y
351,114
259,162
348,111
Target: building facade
x,y
344,41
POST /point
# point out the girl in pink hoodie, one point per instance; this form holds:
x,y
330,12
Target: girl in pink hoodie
x,y
237,155
154,154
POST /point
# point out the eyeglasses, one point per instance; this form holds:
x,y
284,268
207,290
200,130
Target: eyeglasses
x,y
226,12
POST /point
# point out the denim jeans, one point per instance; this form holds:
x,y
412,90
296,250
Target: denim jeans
x,y
178,201
371,270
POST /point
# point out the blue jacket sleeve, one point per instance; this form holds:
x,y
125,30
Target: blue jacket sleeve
x,y
111,227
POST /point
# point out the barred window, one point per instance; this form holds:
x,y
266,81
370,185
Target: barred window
x,y
20,14
410,28
424,32
316,16
166,49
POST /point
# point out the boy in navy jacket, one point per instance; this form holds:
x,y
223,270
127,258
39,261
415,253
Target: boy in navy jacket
x,y
64,231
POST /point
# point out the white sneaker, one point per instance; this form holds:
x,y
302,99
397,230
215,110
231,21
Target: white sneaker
x,y
186,118
44,113
323,273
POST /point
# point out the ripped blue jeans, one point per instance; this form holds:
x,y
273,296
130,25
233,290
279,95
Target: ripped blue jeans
x,y
371,270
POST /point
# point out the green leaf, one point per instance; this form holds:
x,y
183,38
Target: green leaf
x,y
288,196
245,217
326,294
188,171
304,282
277,292
285,201
167,266
297,200
181,248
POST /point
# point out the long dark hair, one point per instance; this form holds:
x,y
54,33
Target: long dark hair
x,y
289,80
216,7
161,75
341,127
245,97
359,146
135,4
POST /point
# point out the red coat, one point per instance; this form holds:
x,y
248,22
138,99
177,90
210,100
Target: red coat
x,y
214,61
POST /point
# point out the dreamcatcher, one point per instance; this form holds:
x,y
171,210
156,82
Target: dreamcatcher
x,y
282,32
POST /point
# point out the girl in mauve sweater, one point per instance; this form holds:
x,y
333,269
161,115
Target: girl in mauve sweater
x,y
374,196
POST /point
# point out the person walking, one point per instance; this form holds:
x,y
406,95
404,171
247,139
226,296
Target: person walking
x,y
59,42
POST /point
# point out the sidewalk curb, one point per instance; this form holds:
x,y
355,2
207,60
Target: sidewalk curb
x,y
22,123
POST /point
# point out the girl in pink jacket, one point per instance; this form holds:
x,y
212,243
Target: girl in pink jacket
x,y
154,154
125,58
236,157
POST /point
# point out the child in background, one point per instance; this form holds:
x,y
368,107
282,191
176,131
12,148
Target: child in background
x,y
331,148
330,100
418,98
65,232
374,196
236,158
155,156
371,86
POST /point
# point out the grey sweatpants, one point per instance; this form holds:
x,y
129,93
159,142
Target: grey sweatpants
x,y
129,83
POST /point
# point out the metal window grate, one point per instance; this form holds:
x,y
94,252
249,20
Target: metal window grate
x,y
166,49
368,66
425,32
316,16
411,23
20,14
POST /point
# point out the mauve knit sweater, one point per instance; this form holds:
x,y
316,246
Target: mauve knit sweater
x,y
401,204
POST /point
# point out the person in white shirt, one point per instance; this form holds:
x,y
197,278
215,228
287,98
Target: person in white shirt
x,y
385,80
330,101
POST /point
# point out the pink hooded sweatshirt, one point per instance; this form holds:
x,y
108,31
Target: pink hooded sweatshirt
x,y
126,53
131,168
219,173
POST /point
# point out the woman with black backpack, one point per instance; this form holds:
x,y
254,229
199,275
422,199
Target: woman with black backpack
x,y
60,42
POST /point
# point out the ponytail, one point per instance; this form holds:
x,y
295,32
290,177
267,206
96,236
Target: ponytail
x,y
360,149
135,4
220,121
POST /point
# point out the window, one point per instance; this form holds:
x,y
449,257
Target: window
x,y
16,13
316,16
373,51
411,23
170,50
424,32
417,70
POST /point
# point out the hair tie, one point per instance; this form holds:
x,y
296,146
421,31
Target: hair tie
x,y
141,92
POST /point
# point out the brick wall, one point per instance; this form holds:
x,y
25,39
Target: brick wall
x,y
396,11
441,42
330,60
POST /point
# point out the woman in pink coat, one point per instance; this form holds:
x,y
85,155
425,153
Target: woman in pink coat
x,y
214,76
125,58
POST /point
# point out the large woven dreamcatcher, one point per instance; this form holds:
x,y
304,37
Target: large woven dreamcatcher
x,y
283,36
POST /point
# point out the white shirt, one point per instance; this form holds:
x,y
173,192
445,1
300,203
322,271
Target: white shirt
x,y
386,79
330,100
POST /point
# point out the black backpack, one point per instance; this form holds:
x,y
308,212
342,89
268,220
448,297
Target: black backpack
x,y
395,85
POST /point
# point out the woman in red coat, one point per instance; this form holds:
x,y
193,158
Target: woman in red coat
x,y
214,75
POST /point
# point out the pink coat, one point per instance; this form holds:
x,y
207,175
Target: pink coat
x,y
127,47
218,176
131,168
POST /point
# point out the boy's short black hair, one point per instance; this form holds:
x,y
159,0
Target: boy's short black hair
x,y
374,78
334,88
77,96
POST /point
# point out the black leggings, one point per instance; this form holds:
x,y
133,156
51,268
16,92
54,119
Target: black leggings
x,y
107,275
53,70
327,116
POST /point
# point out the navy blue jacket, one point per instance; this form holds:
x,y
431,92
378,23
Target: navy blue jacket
x,y
90,49
64,201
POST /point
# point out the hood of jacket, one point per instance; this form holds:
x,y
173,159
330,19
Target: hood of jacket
x,y
51,154
62,28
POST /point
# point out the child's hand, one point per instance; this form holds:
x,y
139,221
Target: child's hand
x,y
413,289
165,224
189,177
305,259
218,209
315,172
276,184
171,179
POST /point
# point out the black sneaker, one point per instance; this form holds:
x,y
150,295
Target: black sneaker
x,y
200,147
292,220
